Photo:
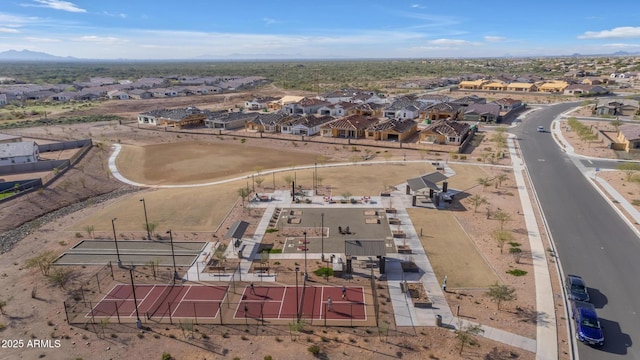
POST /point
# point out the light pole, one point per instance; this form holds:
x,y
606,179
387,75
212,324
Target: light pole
x,y
135,299
173,255
115,240
297,299
322,234
146,220
306,249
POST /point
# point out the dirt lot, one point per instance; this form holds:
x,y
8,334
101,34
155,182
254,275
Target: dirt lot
x,y
182,210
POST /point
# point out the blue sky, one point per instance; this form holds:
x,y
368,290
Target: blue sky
x,y
187,29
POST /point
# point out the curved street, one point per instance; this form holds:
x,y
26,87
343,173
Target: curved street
x,y
591,237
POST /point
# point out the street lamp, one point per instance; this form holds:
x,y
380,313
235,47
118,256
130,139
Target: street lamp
x,y
297,299
306,249
115,240
173,255
146,220
322,234
135,299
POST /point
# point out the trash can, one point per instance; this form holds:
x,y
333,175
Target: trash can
x,y
439,320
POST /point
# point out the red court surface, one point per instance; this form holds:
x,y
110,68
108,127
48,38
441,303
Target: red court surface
x,y
269,302
159,301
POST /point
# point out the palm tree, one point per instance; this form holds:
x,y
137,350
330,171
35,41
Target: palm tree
x,y
500,179
503,217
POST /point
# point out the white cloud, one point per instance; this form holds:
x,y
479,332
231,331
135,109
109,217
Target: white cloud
x,y
8,30
493,38
615,33
120,15
417,6
57,5
449,42
622,46
270,21
41,39
101,39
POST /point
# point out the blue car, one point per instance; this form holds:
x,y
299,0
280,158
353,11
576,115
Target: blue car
x,y
588,329
576,288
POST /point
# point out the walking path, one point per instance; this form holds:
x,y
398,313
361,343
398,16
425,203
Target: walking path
x,y
405,313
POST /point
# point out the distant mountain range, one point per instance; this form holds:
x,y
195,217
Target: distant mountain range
x,y
28,55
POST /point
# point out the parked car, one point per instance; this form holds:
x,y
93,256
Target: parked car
x,y
540,128
588,329
576,288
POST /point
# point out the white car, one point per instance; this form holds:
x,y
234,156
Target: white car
x,y
540,128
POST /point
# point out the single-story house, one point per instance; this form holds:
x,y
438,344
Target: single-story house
x,y
304,125
629,137
585,90
117,95
233,120
406,108
279,104
304,106
619,107
367,109
266,122
472,84
445,110
339,109
482,112
172,117
445,132
352,126
495,86
259,103
392,130
508,105
431,99
522,87
553,86
140,94
19,153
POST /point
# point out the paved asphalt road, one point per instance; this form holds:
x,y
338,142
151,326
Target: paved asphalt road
x,y
591,239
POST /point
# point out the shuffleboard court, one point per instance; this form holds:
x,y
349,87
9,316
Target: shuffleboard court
x,y
132,252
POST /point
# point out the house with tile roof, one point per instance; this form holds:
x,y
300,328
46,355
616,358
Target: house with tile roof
x,y
406,108
338,110
367,109
304,106
482,113
266,122
352,127
19,153
259,103
431,99
445,132
392,130
508,105
445,110
304,125
277,105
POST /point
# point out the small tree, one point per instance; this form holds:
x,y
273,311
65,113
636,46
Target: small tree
x,y
89,229
477,200
500,179
259,181
244,193
502,237
502,217
466,336
151,229
42,261
484,182
500,293
346,195
60,277
288,179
